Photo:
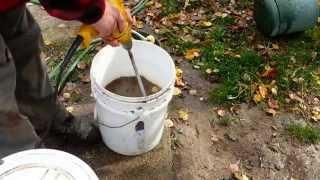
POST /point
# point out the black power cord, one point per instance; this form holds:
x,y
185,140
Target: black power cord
x,y
72,50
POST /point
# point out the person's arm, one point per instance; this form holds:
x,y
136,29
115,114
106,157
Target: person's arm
x,y
99,13
86,11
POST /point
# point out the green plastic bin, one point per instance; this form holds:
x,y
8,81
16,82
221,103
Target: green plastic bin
x,y
277,17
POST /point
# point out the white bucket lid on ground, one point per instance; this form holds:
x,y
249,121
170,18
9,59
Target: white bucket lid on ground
x,y
45,164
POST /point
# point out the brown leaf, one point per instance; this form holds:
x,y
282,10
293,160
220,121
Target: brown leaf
x,y
193,92
234,168
273,104
221,112
168,123
139,24
214,138
295,97
271,112
270,73
275,46
66,96
82,65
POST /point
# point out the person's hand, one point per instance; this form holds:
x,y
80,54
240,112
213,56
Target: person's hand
x,y
111,21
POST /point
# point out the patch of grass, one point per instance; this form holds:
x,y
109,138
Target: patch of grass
x,y
307,133
226,121
236,74
227,21
177,44
171,6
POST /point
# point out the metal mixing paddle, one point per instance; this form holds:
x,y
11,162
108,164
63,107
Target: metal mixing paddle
x,y
128,47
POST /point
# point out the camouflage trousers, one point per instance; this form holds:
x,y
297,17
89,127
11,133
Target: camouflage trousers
x,y
27,101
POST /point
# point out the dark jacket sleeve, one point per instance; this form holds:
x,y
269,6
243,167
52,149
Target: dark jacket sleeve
x,y
86,11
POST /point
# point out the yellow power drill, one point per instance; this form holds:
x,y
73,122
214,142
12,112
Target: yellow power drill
x,y
87,33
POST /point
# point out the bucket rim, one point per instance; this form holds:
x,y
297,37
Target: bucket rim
x,y
146,99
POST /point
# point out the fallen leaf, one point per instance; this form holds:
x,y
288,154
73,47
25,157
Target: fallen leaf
x,y
206,24
82,65
263,91
66,95
192,54
193,92
70,109
270,111
275,46
221,112
179,72
209,71
316,118
240,176
168,123
220,14
214,138
295,97
274,91
273,104
158,5
257,98
259,46
48,42
139,24
196,67
151,39
179,82
234,167
270,73
183,115
177,91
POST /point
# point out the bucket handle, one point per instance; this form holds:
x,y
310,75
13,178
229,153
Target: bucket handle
x,y
140,114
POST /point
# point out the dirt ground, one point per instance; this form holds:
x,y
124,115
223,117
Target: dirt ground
x,y
199,148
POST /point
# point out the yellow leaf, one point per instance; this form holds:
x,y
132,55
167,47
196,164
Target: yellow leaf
x,y
193,92
168,123
176,91
183,115
257,98
206,24
263,91
151,39
179,72
209,71
70,109
192,54
244,177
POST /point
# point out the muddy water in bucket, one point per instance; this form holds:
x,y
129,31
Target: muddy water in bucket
x,y
129,87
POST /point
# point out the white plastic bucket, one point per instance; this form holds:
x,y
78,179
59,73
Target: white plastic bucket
x,y
132,126
45,164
